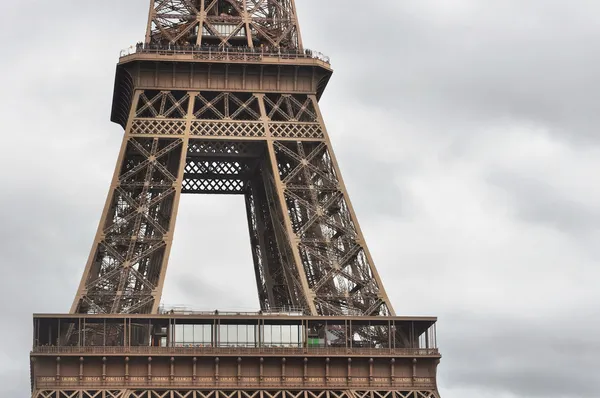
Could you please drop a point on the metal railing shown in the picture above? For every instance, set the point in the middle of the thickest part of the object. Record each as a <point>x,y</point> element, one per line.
<point>222,53</point>
<point>145,350</point>
<point>228,381</point>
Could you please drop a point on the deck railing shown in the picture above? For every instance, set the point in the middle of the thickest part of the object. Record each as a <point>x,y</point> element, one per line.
<point>219,53</point>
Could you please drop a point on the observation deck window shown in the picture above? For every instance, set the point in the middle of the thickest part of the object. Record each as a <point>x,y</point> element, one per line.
<point>268,332</point>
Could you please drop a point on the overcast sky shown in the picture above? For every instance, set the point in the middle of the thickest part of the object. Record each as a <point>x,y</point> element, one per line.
<point>467,134</point>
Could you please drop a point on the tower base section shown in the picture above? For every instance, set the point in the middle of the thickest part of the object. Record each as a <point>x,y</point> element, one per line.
<point>233,356</point>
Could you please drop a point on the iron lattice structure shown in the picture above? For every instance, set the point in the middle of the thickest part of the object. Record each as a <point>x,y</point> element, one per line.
<point>272,148</point>
<point>222,98</point>
<point>251,23</point>
<point>267,142</point>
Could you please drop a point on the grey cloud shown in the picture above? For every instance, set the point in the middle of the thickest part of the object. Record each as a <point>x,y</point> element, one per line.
<point>537,201</point>
<point>526,356</point>
<point>528,62</point>
<point>380,193</point>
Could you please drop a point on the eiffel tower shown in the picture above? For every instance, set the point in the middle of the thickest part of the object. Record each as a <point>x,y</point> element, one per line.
<point>222,98</point>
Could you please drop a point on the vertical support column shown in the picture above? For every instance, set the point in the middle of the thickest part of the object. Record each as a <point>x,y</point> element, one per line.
<point>172,369</point>
<point>217,369</point>
<point>305,369</point>
<point>201,17</point>
<point>80,368</point>
<point>57,368</point>
<point>149,25</point>
<point>178,186</point>
<point>349,370</point>
<point>246,18</point>
<point>296,24</point>
<point>194,369</point>
<point>283,361</point>
<point>414,368</point>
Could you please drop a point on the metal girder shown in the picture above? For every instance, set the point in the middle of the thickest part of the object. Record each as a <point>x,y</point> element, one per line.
<point>251,23</point>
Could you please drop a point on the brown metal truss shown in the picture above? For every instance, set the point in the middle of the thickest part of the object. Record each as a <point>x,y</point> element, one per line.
<point>307,248</point>
<point>252,23</point>
<point>159,393</point>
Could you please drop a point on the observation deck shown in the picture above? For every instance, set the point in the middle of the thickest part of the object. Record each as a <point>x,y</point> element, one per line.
<point>264,55</point>
<point>233,350</point>
<point>214,68</point>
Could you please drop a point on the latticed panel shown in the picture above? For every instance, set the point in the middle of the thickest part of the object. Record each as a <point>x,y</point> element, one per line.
<point>157,127</point>
<point>226,148</point>
<point>216,393</point>
<point>290,108</point>
<point>214,168</point>
<point>228,129</point>
<point>162,104</point>
<point>219,166</point>
<point>215,186</point>
<point>80,394</point>
<point>296,130</point>
<point>215,105</point>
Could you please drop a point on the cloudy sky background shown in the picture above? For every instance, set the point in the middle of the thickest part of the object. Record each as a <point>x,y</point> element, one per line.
<point>467,134</point>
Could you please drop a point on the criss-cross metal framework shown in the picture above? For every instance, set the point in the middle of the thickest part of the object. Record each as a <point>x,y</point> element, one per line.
<point>270,147</point>
<point>266,143</point>
<point>252,23</point>
<point>233,394</point>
